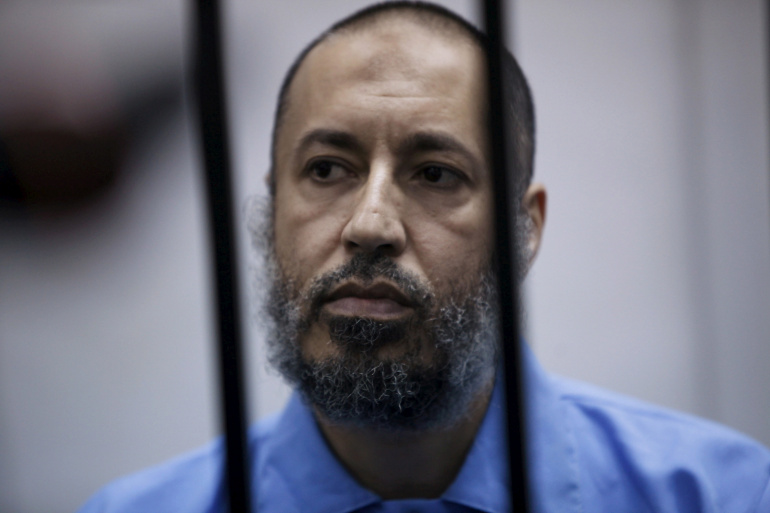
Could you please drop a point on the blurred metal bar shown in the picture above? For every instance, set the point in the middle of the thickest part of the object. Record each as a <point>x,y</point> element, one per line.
<point>216,153</point>
<point>494,23</point>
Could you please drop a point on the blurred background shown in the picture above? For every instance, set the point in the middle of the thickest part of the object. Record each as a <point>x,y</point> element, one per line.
<point>653,279</point>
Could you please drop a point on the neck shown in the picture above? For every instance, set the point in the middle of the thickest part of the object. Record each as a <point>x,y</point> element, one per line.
<point>406,465</point>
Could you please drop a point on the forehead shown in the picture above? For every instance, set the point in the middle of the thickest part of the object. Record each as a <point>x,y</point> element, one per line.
<point>417,71</point>
<point>393,48</point>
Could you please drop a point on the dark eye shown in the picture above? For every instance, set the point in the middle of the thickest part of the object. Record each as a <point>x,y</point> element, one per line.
<point>326,171</point>
<point>439,175</point>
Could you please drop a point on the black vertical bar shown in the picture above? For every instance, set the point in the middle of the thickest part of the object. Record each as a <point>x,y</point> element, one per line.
<point>494,21</point>
<point>216,154</point>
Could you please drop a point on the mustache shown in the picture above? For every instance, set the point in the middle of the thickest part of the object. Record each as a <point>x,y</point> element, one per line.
<point>365,268</point>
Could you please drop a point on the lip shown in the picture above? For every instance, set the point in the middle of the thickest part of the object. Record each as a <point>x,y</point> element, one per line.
<point>381,300</point>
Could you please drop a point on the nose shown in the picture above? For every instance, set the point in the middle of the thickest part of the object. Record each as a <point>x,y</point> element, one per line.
<point>376,222</point>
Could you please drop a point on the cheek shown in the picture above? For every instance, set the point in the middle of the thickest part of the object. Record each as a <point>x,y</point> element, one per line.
<point>454,261</point>
<point>305,238</point>
<point>454,246</point>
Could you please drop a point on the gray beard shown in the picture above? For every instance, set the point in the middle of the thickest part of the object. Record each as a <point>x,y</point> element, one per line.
<point>356,387</point>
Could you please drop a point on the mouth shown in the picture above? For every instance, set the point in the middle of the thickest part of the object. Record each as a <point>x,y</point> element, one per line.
<point>381,301</point>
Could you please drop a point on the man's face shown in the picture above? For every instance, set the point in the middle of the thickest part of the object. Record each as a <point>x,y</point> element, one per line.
<point>382,205</point>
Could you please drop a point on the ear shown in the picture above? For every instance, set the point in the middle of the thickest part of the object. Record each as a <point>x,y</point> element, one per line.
<point>534,205</point>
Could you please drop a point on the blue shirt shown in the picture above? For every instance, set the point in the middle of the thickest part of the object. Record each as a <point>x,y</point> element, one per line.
<point>590,451</point>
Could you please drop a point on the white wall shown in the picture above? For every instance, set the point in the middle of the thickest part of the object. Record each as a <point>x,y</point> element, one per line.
<point>654,277</point>
<point>655,273</point>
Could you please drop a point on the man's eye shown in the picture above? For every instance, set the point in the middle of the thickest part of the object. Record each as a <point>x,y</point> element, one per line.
<point>326,171</point>
<point>439,175</point>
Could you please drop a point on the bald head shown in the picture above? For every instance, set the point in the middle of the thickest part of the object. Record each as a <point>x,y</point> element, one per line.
<point>435,21</point>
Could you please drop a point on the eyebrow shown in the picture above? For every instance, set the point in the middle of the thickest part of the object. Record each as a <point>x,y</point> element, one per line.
<point>437,141</point>
<point>425,141</point>
<point>329,137</point>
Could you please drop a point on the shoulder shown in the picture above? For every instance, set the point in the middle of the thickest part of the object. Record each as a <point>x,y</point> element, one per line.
<point>191,482</point>
<point>664,459</point>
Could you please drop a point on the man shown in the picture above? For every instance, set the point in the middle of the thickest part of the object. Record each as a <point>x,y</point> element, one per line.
<point>379,248</point>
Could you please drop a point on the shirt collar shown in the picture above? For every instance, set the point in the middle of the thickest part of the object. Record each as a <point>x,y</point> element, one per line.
<point>296,471</point>
<point>552,456</point>
<point>483,480</point>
